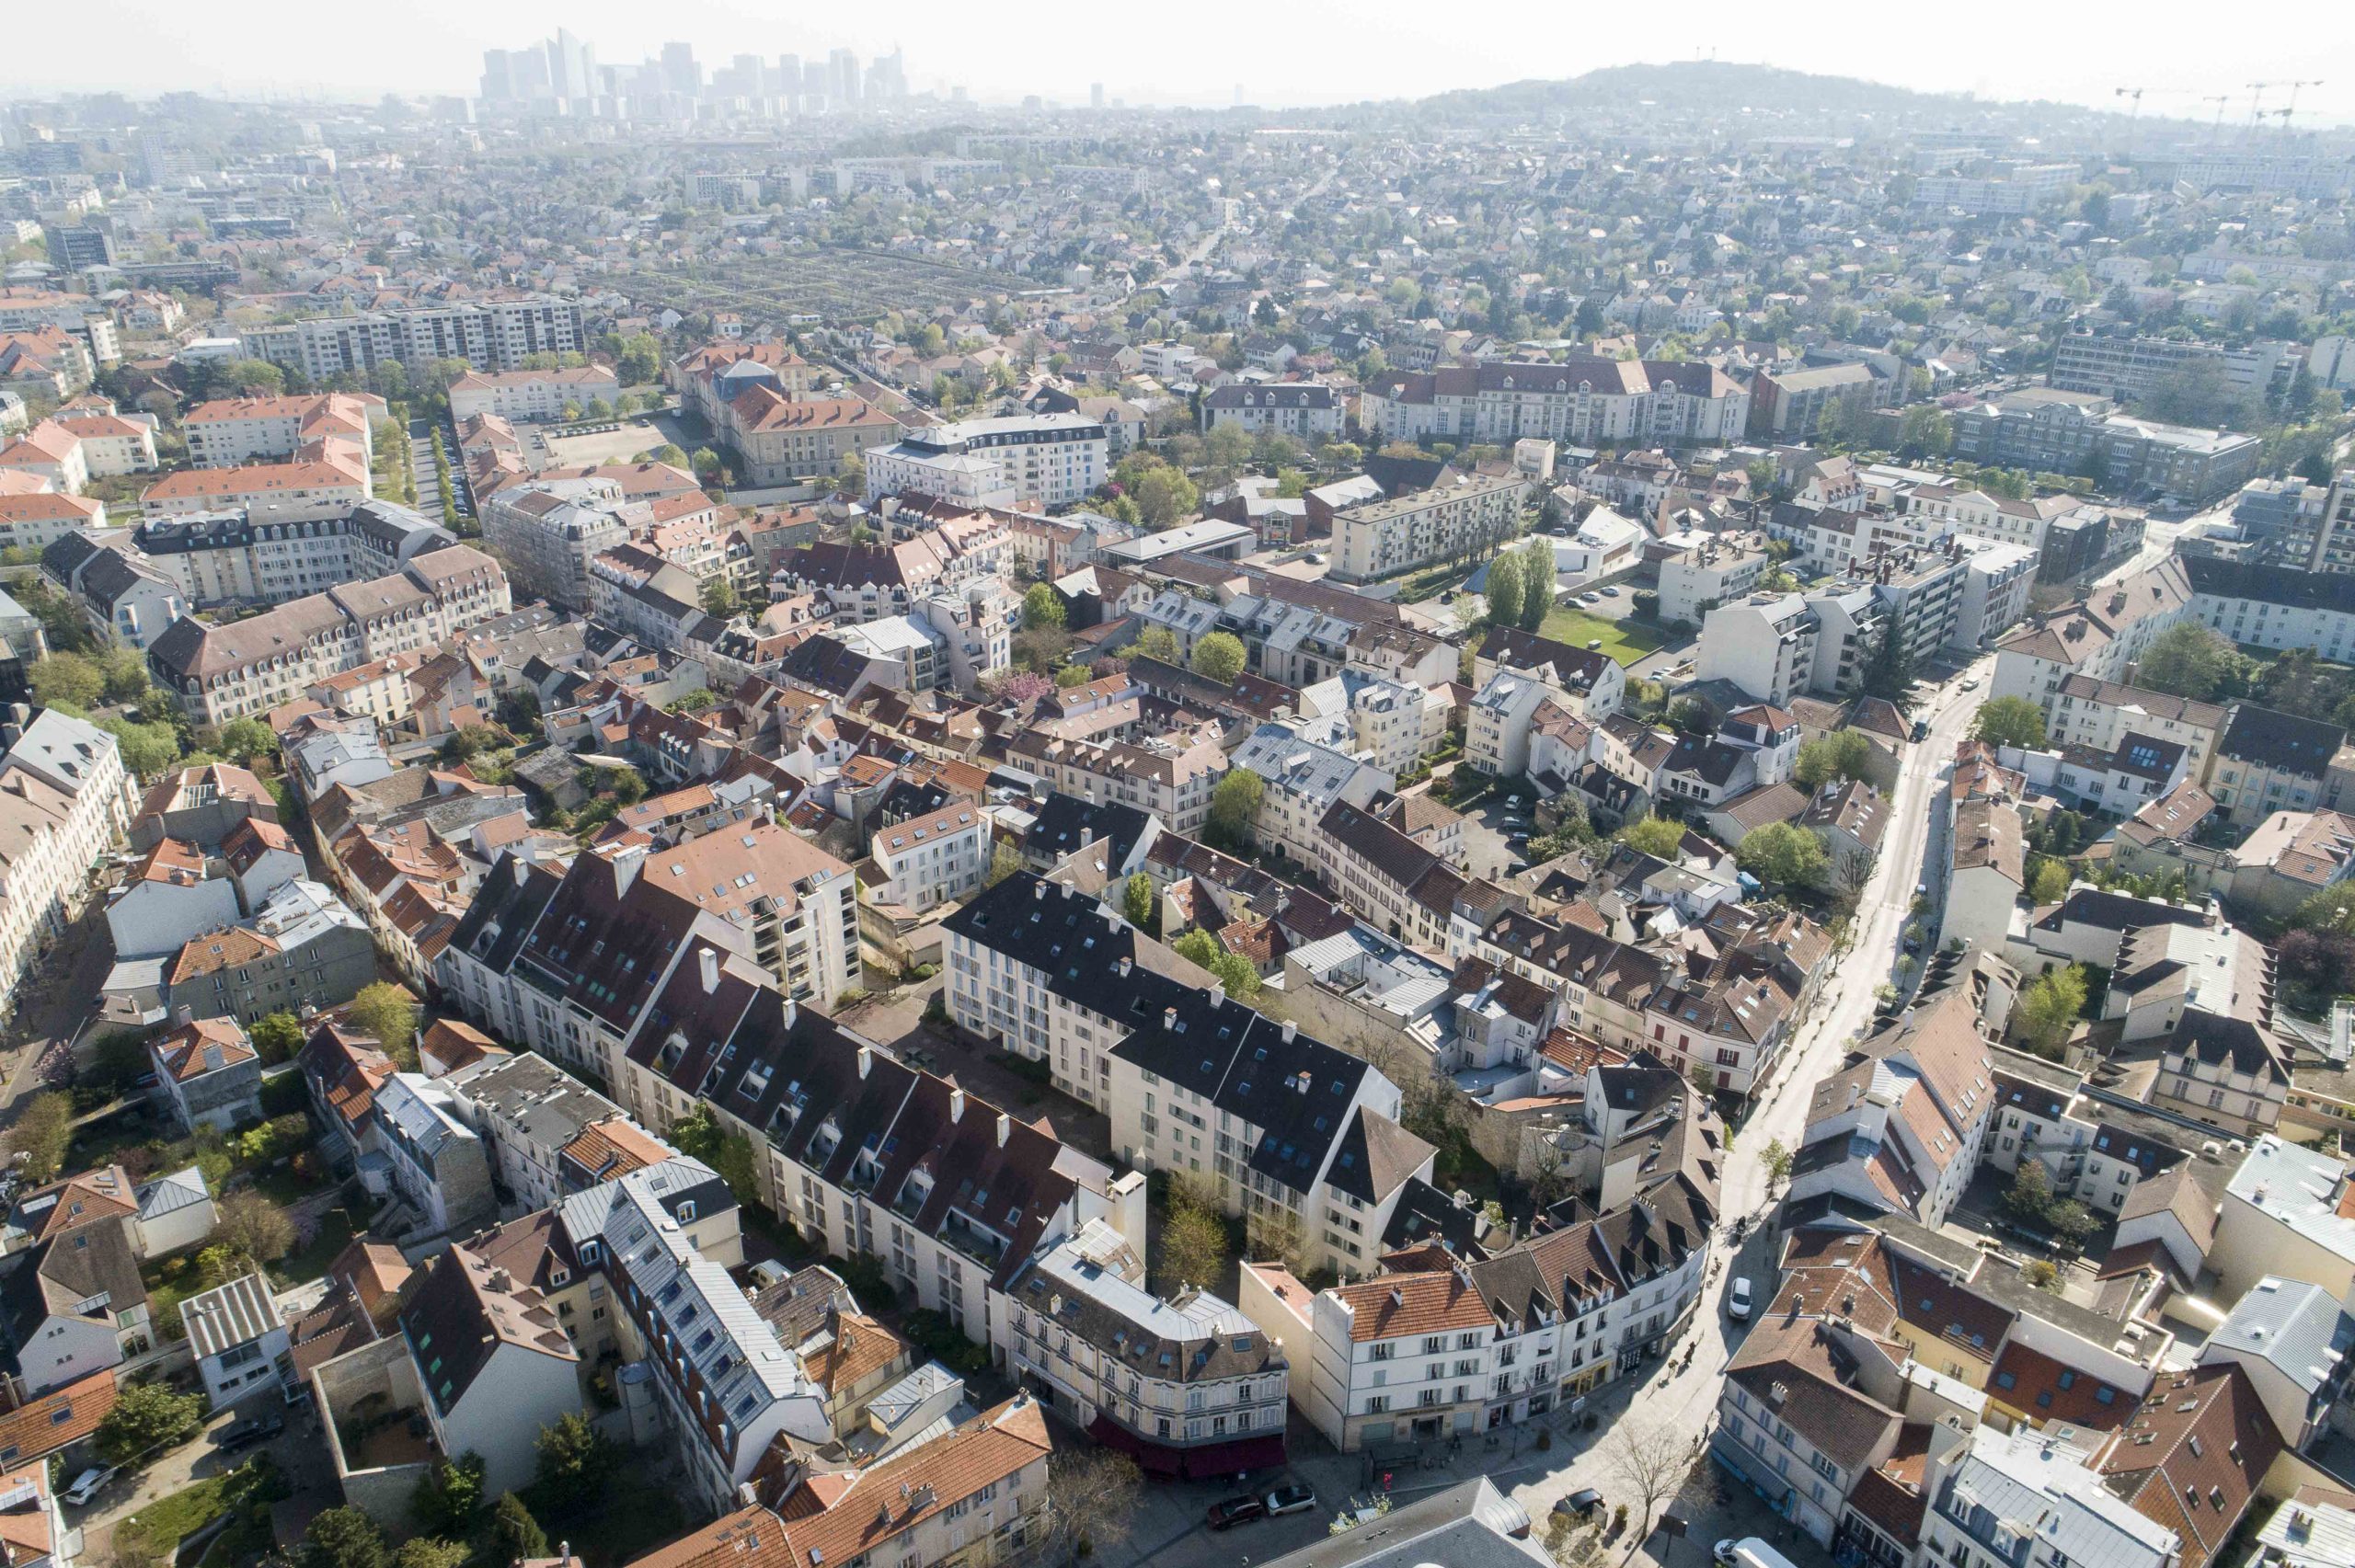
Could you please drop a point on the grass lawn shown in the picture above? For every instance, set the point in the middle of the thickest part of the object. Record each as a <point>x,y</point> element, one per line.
<point>169,1520</point>
<point>309,1262</point>
<point>1626,641</point>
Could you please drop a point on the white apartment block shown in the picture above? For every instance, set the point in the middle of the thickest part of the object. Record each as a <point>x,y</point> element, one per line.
<point>533,396</point>
<point>233,432</point>
<point>489,335</point>
<point>1581,402</point>
<point>931,860</point>
<point>64,803</point>
<point>1385,538</point>
<point>1713,572</point>
<point>1302,779</point>
<point>1048,460</point>
<point>300,491</point>
<point>553,529</point>
<point>1173,777</point>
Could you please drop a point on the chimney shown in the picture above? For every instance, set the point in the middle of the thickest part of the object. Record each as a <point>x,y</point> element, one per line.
<point>710,962</point>
<point>1291,1031</point>
<point>956,1105</point>
<point>865,1061</point>
<point>1004,1128</point>
<point>1125,964</point>
<point>183,1015</point>
<point>792,1012</point>
<point>1169,1018</point>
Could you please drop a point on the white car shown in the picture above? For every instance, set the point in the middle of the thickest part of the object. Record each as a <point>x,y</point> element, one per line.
<point>1738,1300</point>
<point>1970,684</point>
<point>85,1486</point>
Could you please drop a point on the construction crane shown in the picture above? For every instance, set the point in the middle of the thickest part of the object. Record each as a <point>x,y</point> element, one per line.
<point>2293,108</point>
<point>2134,93</point>
<point>2216,131</point>
<point>2256,93</point>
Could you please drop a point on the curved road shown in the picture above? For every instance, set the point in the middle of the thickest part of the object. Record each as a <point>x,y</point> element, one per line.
<point>1688,1403</point>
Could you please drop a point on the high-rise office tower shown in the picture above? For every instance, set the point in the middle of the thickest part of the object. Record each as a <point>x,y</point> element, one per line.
<point>1095,95</point>
<point>681,75</point>
<point>571,66</point>
<point>843,66</point>
<point>785,85</point>
<point>498,77</point>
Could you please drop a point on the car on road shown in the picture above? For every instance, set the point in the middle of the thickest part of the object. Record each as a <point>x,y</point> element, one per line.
<point>1293,1499</point>
<point>1921,729</point>
<point>1737,1300</point>
<point>1970,684</point>
<point>85,1486</point>
<point>1235,1511</point>
<point>1579,1504</point>
<point>245,1434</point>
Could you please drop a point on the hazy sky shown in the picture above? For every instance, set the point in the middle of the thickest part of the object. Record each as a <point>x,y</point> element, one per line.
<point>1277,51</point>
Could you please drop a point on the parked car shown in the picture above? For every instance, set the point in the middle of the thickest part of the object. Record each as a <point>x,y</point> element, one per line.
<point>1738,1300</point>
<point>1293,1499</point>
<point>1235,1511</point>
<point>1595,645</point>
<point>245,1434</point>
<point>1579,1504</point>
<point>1610,593</point>
<point>85,1486</point>
<point>1589,599</point>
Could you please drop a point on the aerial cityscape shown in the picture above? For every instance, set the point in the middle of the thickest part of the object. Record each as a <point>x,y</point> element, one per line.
<point>828,805</point>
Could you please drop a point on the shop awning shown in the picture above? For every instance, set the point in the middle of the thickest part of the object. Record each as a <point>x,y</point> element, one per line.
<point>1204,1463</point>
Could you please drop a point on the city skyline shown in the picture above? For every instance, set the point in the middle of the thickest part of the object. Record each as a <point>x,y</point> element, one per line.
<point>1303,56</point>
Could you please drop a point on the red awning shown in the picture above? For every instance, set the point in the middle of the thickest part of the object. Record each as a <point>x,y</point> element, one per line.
<point>1233,1458</point>
<point>1205,1463</point>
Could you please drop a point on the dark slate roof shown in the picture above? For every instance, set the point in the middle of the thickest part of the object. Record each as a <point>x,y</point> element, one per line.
<point>1066,823</point>
<point>504,909</point>
<point>1297,1090</point>
<point>2273,585</point>
<point>2117,912</point>
<point>2283,742</point>
<point>1404,475</point>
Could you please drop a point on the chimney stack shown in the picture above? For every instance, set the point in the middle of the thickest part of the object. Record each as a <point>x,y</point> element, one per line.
<point>1004,1128</point>
<point>1169,1018</point>
<point>710,962</point>
<point>956,1106</point>
<point>183,1015</point>
<point>792,1012</point>
<point>1291,1031</point>
<point>865,1061</point>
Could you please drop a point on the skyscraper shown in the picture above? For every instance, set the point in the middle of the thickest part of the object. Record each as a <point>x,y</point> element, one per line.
<point>843,66</point>
<point>571,66</point>
<point>498,77</point>
<point>681,75</point>
<point>785,85</point>
<point>1095,95</point>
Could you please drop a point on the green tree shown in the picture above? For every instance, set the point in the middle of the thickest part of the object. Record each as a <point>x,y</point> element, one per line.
<point>125,671</point>
<point>68,680</point>
<point>1219,658</point>
<point>1158,643</point>
<point>243,739</point>
<point>575,1463</point>
<point>1783,854</point>
<point>278,1037</point>
<point>514,1535</point>
<point>1536,585</point>
<point>451,1495</point>
<point>1193,1248</point>
<point>1234,807</point>
<point>255,1227</point>
<point>1656,836</point>
<point>2010,721</point>
<point>670,452</point>
<point>1924,430</point>
<point>1004,862</point>
<point>147,749</point>
<point>1165,497</point>
<point>42,1132</point>
<point>1843,754</point>
<point>148,1417</point>
<point>1776,1159</point>
<point>387,1013</point>
<point>1504,591</point>
<point>2049,1007</point>
<point>343,1538</point>
<point>1042,606</point>
<point>2049,884</point>
<point>1139,905</point>
<point>719,598</point>
<point>2190,660</point>
<point>1891,669</point>
<point>699,1135</point>
<point>426,1551</point>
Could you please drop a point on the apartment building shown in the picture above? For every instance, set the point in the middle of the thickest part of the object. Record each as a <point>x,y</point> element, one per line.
<point>246,558</point>
<point>2056,430</point>
<point>488,333</point>
<point>1872,1141</point>
<point>1037,460</point>
<point>709,379</point>
<point>2099,715</point>
<point>1186,1383</point>
<point>534,396</point>
<point>1581,401</point>
<point>438,1164</point>
<point>218,673</point>
<point>1384,538</point>
<point>1697,578</point>
<point>236,431</point>
<point>1307,411</point>
<point>2103,635</point>
<point>64,803</point>
<point>1040,968</point>
<point>2267,761</point>
<point>39,519</point>
<point>1301,778</point>
<point>2274,607</point>
<point>1793,406</point>
<point>930,859</point>
<point>2129,369</point>
<point>1171,776</point>
<point>780,439</point>
<point>300,491</point>
<point>123,600</point>
<point>553,529</point>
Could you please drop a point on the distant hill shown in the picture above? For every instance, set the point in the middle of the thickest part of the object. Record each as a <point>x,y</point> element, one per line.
<point>1694,86</point>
